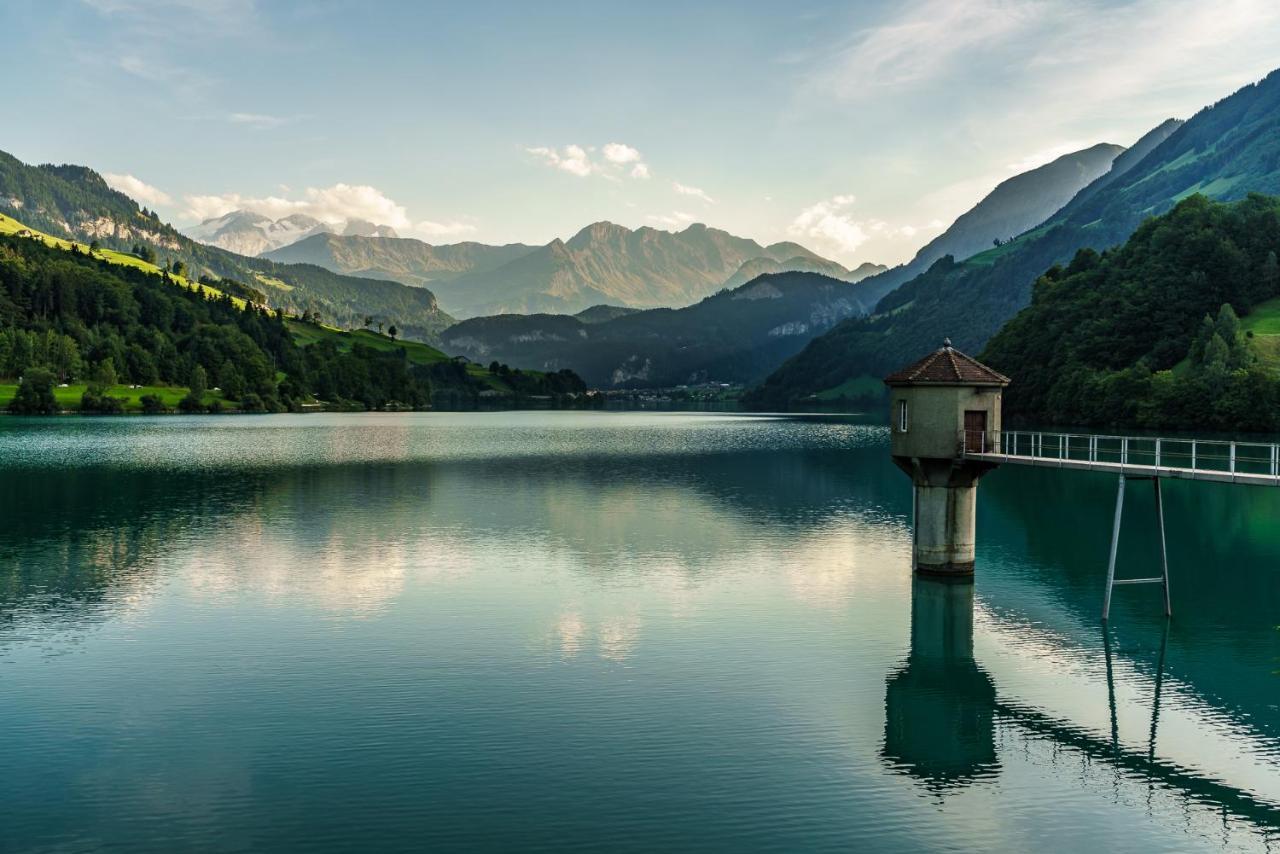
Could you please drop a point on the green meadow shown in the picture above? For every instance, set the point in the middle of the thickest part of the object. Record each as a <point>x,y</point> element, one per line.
<point>68,396</point>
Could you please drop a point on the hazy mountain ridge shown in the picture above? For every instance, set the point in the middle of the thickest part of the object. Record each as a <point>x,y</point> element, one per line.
<point>402,259</point>
<point>736,335</point>
<point>760,266</point>
<point>74,202</point>
<point>1014,206</point>
<point>246,232</point>
<point>1225,151</point>
<point>601,263</point>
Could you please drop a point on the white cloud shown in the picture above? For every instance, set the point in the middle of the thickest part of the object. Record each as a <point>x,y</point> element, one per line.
<point>922,42</point>
<point>829,225</point>
<point>830,228</point>
<point>675,219</point>
<point>617,152</point>
<point>136,189</point>
<point>577,160</point>
<point>686,190</point>
<point>1048,155</point>
<point>572,159</point>
<point>452,228</point>
<point>257,120</point>
<point>335,204</point>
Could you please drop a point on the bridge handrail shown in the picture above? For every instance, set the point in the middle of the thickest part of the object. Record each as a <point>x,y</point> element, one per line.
<point>1150,452</point>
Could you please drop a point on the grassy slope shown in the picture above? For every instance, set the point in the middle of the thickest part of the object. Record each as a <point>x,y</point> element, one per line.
<point>303,333</point>
<point>68,397</point>
<point>9,225</point>
<point>419,353</point>
<point>1264,323</point>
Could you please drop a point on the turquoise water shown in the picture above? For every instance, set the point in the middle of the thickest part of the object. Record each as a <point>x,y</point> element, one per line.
<point>557,631</point>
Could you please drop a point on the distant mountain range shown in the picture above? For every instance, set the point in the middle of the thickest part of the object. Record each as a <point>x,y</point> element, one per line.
<point>249,233</point>
<point>75,203</point>
<point>736,335</point>
<point>602,263</point>
<point>1015,205</point>
<point>1225,151</point>
<point>402,259</point>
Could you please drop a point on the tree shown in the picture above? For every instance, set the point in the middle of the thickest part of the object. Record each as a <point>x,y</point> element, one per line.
<point>199,384</point>
<point>152,404</point>
<point>179,268</point>
<point>104,374</point>
<point>368,321</point>
<point>94,246</point>
<point>252,403</point>
<point>231,381</point>
<point>35,394</point>
<point>392,331</point>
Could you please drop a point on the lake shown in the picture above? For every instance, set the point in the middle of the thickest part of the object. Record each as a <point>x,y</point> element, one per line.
<point>635,631</point>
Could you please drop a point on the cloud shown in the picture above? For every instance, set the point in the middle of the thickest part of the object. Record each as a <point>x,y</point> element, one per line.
<point>1047,155</point>
<point>338,203</point>
<point>257,120</point>
<point>617,152</point>
<point>675,219</point>
<point>185,82</point>
<point>453,228</point>
<point>577,160</point>
<point>829,225</point>
<point>923,41</point>
<point>572,159</point>
<point>136,189</point>
<point>686,190</point>
<point>830,228</point>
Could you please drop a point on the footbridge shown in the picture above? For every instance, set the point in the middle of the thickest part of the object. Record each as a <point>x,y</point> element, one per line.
<point>1254,463</point>
<point>945,431</point>
<point>1130,458</point>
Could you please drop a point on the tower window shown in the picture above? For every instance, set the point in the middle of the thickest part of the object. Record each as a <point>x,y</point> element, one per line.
<point>902,416</point>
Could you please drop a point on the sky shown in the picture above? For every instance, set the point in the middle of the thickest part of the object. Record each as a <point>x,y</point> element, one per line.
<point>860,129</point>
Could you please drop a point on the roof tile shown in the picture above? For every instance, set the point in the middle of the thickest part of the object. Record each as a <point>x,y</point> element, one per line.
<point>946,366</point>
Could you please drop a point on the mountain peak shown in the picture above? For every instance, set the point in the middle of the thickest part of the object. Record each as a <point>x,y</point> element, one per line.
<point>364,228</point>
<point>597,232</point>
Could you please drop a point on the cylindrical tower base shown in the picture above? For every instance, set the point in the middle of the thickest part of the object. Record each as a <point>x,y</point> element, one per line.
<point>945,529</point>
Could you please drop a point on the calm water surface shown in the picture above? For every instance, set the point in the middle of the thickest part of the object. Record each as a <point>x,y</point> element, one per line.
<point>636,631</point>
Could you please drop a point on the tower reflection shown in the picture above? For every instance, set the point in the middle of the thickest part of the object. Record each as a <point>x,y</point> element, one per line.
<point>940,707</point>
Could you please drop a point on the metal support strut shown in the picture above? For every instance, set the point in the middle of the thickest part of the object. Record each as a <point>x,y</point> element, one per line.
<point>1163,578</point>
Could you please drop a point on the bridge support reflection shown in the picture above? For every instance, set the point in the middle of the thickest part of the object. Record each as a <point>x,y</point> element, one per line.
<point>942,715</point>
<point>940,708</point>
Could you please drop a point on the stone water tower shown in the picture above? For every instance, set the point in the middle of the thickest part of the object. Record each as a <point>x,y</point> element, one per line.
<point>944,408</point>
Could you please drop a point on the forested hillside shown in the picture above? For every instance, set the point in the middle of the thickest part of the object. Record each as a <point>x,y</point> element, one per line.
<point>1147,334</point>
<point>75,203</point>
<point>67,316</point>
<point>1224,152</point>
<point>734,336</point>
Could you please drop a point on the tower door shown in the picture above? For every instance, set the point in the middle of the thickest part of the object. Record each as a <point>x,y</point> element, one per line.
<point>975,431</point>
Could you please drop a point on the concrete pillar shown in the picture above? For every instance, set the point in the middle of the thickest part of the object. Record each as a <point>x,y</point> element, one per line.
<point>945,530</point>
<point>946,513</point>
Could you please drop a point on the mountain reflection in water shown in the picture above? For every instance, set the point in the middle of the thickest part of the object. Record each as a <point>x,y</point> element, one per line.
<point>580,629</point>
